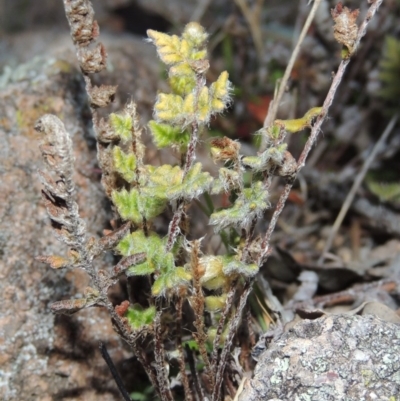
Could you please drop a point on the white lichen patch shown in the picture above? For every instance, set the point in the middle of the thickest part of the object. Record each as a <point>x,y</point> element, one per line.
<point>352,358</point>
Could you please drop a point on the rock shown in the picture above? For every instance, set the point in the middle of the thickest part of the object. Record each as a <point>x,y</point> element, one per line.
<point>43,357</point>
<point>334,358</point>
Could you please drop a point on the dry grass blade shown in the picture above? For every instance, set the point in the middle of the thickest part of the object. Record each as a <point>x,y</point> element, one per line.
<point>356,185</point>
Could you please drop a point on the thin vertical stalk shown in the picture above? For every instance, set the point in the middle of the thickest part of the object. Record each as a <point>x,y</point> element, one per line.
<point>182,365</point>
<point>227,308</point>
<point>159,355</point>
<point>197,301</point>
<point>173,228</point>
<point>234,324</point>
<point>277,99</point>
<point>195,375</point>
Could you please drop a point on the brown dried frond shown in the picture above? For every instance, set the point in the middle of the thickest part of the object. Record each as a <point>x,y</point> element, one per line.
<point>122,308</point>
<point>60,202</point>
<point>110,240</point>
<point>55,261</point>
<point>94,60</point>
<point>288,167</point>
<point>224,149</point>
<point>68,306</point>
<point>57,144</point>
<point>80,14</point>
<point>345,29</point>
<point>105,134</point>
<point>102,96</point>
<point>127,262</point>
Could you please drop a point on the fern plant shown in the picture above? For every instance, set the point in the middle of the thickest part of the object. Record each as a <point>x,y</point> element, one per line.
<point>180,276</point>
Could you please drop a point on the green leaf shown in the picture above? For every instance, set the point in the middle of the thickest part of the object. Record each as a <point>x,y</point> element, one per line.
<point>214,277</point>
<point>215,303</point>
<point>256,163</point>
<point>389,71</point>
<point>251,203</point>
<point>135,205</point>
<point>192,345</point>
<point>168,47</point>
<point>166,181</point>
<point>138,242</point>
<point>157,259</point>
<point>270,158</point>
<point>195,34</point>
<point>125,164</point>
<point>169,280</point>
<point>138,317</point>
<point>143,269</point>
<point>122,125</point>
<point>169,109</point>
<point>166,135</point>
<point>162,179</point>
<point>220,92</point>
<point>195,183</point>
<point>237,267</point>
<point>127,205</point>
<point>182,84</point>
<point>298,124</point>
<point>385,191</point>
<point>174,50</point>
<point>203,109</point>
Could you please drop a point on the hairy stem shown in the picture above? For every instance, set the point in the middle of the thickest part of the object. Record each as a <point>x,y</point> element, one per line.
<point>173,228</point>
<point>195,374</point>
<point>225,313</point>
<point>233,326</point>
<point>179,346</point>
<point>159,354</point>
<point>198,308</point>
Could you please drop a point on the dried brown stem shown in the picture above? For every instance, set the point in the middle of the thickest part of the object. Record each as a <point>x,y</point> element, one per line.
<point>197,301</point>
<point>195,375</point>
<point>159,356</point>
<point>233,326</point>
<point>253,19</point>
<point>356,185</point>
<point>179,346</point>
<point>351,295</point>
<point>225,313</point>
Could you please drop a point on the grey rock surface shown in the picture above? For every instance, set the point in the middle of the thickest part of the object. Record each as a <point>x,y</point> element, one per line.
<point>43,357</point>
<point>333,358</point>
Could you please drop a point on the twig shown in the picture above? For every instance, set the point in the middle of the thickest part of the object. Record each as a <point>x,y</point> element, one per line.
<point>227,308</point>
<point>253,17</point>
<point>200,10</point>
<point>391,286</point>
<point>193,370</point>
<point>197,301</point>
<point>234,324</point>
<point>173,228</point>
<point>182,367</point>
<point>350,196</point>
<point>282,86</point>
<point>131,340</point>
<point>114,372</point>
<point>315,132</point>
<point>159,355</point>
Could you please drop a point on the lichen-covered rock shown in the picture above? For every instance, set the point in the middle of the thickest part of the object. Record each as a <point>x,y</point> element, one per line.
<point>334,358</point>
